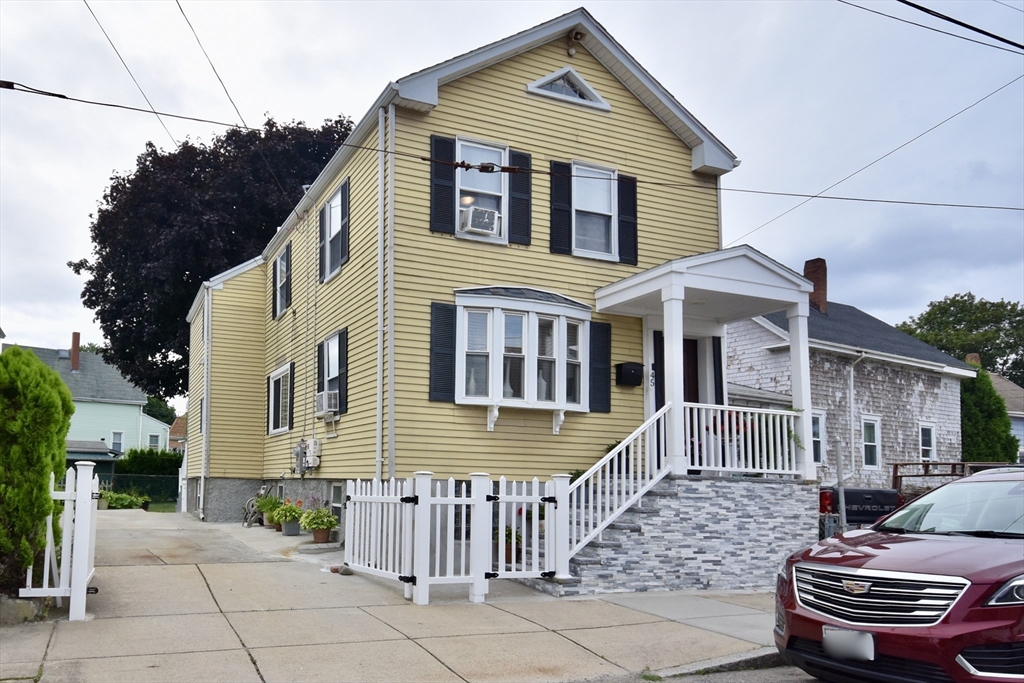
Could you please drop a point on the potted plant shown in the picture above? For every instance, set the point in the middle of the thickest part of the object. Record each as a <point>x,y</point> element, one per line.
<point>288,514</point>
<point>266,505</point>
<point>275,523</point>
<point>320,521</point>
<point>102,503</point>
<point>509,535</point>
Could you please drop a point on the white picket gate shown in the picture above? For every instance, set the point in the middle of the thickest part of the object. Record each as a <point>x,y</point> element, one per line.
<point>71,573</point>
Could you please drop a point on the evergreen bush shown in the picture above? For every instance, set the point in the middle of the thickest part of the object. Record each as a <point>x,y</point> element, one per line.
<point>35,414</point>
<point>984,425</point>
<point>149,461</point>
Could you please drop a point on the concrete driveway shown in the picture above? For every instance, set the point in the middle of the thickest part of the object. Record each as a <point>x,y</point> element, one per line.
<point>180,600</point>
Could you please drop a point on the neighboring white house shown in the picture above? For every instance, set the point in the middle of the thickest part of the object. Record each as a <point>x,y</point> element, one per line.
<point>906,393</point>
<point>1013,397</point>
<point>108,407</point>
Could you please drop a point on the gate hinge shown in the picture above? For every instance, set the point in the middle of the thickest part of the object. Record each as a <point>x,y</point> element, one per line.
<point>345,504</point>
<point>95,495</point>
<point>492,499</point>
<point>415,500</point>
<point>490,575</point>
<point>549,499</point>
<point>92,590</point>
<point>547,575</point>
<point>408,579</point>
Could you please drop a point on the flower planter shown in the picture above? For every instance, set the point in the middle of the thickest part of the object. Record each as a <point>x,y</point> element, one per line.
<point>321,535</point>
<point>277,527</point>
<point>267,524</point>
<point>290,528</point>
<point>102,504</point>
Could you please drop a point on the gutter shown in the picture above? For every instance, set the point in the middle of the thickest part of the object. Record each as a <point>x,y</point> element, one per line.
<point>391,291</point>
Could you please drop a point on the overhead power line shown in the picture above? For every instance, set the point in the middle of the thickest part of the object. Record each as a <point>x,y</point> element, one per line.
<point>889,153</point>
<point>491,168</point>
<point>1008,5</point>
<point>151,108</point>
<point>931,28</point>
<point>969,27</point>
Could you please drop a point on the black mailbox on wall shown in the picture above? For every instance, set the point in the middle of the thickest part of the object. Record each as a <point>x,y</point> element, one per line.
<point>629,374</point>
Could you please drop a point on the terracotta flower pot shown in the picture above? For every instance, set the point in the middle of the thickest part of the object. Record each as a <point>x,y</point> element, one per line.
<point>321,535</point>
<point>277,527</point>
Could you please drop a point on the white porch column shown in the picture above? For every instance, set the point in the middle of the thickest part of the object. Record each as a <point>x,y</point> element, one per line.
<point>672,302</point>
<point>800,361</point>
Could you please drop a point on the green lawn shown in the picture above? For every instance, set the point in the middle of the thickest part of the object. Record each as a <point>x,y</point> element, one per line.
<point>163,507</point>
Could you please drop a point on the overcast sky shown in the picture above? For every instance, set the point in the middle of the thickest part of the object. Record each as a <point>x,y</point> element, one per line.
<point>804,93</point>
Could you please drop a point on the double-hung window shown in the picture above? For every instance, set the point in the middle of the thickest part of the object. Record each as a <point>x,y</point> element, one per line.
<point>334,222</point>
<point>927,432</point>
<point>594,210</point>
<point>871,440</point>
<point>279,399</point>
<point>818,436</point>
<point>154,441</point>
<point>482,192</point>
<point>521,353</point>
<point>332,373</point>
<point>117,441</point>
<point>282,281</point>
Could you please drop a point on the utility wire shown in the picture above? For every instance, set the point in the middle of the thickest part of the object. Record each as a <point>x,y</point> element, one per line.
<point>151,108</point>
<point>930,28</point>
<point>491,168</point>
<point>1008,5</point>
<point>969,27</point>
<point>916,137</point>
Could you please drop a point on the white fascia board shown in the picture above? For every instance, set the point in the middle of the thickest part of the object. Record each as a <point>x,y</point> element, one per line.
<point>197,303</point>
<point>115,401</point>
<point>845,350</point>
<point>217,282</point>
<point>331,170</point>
<point>772,327</point>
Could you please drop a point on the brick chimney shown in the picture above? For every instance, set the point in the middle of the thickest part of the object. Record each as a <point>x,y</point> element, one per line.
<point>816,270</point>
<point>76,340</point>
<point>973,359</point>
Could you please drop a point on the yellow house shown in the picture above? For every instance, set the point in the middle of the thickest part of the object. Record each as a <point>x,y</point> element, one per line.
<point>512,264</point>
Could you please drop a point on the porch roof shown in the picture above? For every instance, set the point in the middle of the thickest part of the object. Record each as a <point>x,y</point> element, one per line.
<point>719,286</point>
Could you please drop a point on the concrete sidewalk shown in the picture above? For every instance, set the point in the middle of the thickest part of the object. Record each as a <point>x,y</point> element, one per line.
<point>180,600</point>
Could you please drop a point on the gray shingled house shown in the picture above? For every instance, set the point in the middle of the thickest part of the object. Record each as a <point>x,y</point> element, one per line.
<point>906,394</point>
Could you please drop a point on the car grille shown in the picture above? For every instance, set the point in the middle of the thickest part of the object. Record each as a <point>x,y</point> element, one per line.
<point>876,598</point>
<point>883,668</point>
<point>1005,659</point>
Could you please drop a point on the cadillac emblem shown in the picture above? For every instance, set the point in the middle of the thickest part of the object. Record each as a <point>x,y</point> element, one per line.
<point>856,587</point>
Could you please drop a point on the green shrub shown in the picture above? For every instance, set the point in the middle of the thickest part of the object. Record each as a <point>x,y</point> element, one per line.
<point>984,424</point>
<point>149,461</point>
<point>268,504</point>
<point>35,413</point>
<point>123,501</point>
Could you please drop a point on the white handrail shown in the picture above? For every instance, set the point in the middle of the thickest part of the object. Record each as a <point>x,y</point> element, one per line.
<point>617,481</point>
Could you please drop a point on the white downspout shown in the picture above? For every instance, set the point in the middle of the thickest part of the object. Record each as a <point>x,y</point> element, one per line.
<point>204,422</point>
<point>840,479</point>
<point>381,236</point>
<point>391,291</point>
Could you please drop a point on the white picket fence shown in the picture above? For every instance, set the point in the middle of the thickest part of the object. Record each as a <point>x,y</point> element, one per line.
<point>69,575</point>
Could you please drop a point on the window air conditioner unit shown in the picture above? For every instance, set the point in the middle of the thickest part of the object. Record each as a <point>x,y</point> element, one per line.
<point>480,221</point>
<point>326,403</point>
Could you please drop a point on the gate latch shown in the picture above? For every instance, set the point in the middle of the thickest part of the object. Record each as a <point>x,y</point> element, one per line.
<point>415,500</point>
<point>490,575</point>
<point>408,579</point>
<point>549,499</point>
<point>492,499</point>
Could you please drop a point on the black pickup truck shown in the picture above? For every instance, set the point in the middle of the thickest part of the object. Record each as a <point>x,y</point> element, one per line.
<point>863,506</point>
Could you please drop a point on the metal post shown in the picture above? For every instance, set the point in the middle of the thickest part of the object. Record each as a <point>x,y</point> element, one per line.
<point>480,536</point>
<point>80,543</point>
<point>421,539</point>
<point>561,526</point>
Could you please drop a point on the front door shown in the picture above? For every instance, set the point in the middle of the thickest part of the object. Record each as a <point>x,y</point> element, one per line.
<point>691,390</point>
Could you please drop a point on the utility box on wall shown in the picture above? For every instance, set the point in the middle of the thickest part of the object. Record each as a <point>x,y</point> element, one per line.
<point>629,374</point>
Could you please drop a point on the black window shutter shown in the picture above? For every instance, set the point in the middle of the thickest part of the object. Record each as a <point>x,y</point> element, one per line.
<point>291,394</point>
<point>288,275</point>
<point>273,291</point>
<point>343,371</point>
<point>269,407</point>
<point>319,367</point>
<point>344,222</point>
<point>627,220</point>
<point>520,203</point>
<point>561,208</point>
<point>716,348</point>
<point>442,185</point>
<point>600,367</point>
<point>442,352</point>
<point>323,241</point>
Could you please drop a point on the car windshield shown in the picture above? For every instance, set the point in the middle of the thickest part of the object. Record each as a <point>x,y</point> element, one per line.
<point>981,508</point>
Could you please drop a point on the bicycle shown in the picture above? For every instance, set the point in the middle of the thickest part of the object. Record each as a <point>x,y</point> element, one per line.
<point>251,513</point>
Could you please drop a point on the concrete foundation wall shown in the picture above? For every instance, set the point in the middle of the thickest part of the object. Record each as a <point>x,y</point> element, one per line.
<point>225,498</point>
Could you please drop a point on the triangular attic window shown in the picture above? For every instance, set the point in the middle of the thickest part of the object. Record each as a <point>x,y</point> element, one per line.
<point>568,86</point>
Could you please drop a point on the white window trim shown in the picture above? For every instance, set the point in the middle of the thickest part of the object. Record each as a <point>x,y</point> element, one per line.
<point>877,421</point>
<point>278,265</point>
<point>496,307</point>
<point>503,237</point>
<point>920,444</point>
<point>580,168</point>
<point>595,101</point>
<point>277,374</point>
<point>822,436</point>
<point>337,509</point>
<point>328,274</point>
<point>149,441</point>
<point>113,441</point>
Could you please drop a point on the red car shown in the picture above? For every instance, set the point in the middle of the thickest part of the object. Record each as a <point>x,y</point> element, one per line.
<point>932,593</point>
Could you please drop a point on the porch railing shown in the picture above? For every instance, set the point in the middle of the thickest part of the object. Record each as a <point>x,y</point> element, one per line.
<point>731,439</point>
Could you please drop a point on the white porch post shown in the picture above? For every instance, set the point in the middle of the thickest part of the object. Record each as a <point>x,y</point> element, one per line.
<point>800,360</point>
<point>672,303</point>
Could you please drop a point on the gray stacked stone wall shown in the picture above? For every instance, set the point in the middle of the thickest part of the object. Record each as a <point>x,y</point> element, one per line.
<point>720,533</point>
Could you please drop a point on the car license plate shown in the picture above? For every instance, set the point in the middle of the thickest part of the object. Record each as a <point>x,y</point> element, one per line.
<point>844,643</point>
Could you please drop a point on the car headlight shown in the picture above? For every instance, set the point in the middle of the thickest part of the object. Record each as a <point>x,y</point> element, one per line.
<point>1011,593</point>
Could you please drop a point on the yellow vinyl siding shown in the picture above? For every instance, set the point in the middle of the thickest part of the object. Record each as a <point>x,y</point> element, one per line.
<point>347,300</point>
<point>196,383</point>
<point>493,105</point>
<point>236,384</point>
